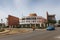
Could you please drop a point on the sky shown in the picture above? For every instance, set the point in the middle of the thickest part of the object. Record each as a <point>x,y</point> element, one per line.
<point>20,8</point>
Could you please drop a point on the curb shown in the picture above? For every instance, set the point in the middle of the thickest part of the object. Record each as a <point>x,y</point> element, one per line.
<point>4,32</point>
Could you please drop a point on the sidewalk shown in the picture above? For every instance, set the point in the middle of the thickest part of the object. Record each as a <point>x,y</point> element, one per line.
<point>4,31</point>
<point>19,30</point>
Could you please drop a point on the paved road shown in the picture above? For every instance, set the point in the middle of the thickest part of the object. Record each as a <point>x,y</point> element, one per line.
<point>36,35</point>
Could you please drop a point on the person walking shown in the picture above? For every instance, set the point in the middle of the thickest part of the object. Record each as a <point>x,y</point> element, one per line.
<point>33,28</point>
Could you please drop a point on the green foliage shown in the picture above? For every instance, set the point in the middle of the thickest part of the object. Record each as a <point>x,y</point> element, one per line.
<point>1,30</point>
<point>59,21</point>
<point>52,21</point>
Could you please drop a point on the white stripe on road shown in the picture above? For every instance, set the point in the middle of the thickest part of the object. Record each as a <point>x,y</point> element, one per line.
<point>58,37</point>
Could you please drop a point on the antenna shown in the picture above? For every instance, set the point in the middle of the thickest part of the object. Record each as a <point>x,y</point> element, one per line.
<point>22,14</point>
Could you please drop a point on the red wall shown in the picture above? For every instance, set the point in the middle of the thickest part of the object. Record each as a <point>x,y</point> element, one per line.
<point>13,21</point>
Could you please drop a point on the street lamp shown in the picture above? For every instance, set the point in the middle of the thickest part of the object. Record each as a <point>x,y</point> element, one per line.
<point>2,22</point>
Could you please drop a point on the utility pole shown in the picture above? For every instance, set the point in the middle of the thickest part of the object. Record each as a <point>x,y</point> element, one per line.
<point>22,20</point>
<point>2,23</point>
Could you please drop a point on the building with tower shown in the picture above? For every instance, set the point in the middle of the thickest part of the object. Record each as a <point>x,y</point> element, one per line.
<point>32,20</point>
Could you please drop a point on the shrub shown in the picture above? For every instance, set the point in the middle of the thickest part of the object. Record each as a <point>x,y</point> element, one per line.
<point>1,30</point>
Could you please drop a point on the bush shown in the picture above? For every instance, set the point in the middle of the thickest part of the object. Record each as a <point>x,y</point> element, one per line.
<point>1,30</point>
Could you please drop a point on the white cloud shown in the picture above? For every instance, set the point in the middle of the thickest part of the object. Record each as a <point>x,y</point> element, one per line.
<point>16,3</point>
<point>21,6</point>
<point>3,15</point>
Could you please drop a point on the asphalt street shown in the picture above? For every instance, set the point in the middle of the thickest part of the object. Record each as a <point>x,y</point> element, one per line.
<point>35,35</point>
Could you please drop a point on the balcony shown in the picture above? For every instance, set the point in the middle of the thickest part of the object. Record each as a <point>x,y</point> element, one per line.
<point>29,21</point>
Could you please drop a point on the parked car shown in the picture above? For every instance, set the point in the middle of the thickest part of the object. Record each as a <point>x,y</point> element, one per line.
<point>58,25</point>
<point>50,28</point>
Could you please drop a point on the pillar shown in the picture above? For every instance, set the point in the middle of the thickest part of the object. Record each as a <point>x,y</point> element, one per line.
<point>40,24</point>
<point>35,25</point>
<point>44,24</point>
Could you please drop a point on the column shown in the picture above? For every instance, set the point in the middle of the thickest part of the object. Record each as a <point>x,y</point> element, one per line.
<point>40,24</point>
<point>35,25</point>
<point>44,24</point>
<point>12,26</point>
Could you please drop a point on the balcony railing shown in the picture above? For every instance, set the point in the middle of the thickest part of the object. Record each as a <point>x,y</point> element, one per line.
<point>29,21</point>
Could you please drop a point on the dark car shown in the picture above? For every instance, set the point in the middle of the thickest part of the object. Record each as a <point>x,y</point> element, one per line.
<point>50,28</point>
<point>58,25</point>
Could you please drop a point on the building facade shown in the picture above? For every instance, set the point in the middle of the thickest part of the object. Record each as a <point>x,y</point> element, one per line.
<point>32,20</point>
<point>12,21</point>
<point>50,17</point>
<point>51,20</point>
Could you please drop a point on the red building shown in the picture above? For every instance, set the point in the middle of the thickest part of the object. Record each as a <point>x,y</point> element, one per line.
<point>13,21</point>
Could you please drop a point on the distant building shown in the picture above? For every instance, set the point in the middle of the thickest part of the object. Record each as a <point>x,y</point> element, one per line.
<point>12,21</point>
<point>32,20</point>
<point>2,25</point>
<point>50,17</point>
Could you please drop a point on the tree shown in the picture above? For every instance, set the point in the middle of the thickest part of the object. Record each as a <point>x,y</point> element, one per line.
<point>59,21</point>
<point>51,22</point>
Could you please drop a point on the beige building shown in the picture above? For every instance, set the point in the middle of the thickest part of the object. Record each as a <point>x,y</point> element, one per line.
<point>32,20</point>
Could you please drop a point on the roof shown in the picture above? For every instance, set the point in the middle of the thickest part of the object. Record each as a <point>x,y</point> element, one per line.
<point>32,14</point>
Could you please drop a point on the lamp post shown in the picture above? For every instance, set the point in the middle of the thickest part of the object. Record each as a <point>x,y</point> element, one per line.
<point>1,23</point>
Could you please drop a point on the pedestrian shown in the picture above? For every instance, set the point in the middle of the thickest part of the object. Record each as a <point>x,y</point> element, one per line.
<point>33,28</point>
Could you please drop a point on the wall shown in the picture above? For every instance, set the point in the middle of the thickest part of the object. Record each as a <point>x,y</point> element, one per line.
<point>12,21</point>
